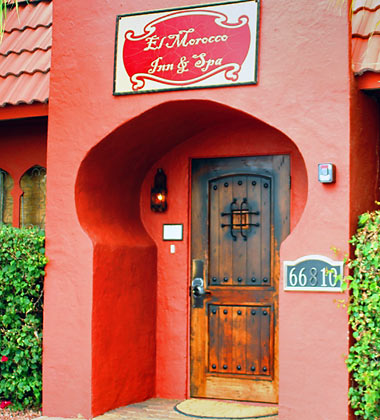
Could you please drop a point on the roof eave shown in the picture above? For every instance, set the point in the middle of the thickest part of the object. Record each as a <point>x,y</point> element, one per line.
<point>11,112</point>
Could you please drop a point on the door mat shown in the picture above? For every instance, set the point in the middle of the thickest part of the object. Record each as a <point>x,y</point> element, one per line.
<point>215,409</point>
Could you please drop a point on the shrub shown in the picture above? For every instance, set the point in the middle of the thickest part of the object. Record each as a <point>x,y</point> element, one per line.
<point>363,361</point>
<point>22,262</point>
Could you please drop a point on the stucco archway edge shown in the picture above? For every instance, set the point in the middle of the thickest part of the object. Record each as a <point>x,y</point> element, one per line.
<point>123,157</point>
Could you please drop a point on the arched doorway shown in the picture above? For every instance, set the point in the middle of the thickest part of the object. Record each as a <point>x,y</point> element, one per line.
<point>141,307</point>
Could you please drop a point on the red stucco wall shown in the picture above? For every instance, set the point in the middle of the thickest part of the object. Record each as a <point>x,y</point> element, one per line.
<point>103,346</point>
<point>22,145</point>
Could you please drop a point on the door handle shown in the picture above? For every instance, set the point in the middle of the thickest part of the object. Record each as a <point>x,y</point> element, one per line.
<point>197,289</point>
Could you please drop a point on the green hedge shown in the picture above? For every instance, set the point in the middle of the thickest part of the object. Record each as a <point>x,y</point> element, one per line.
<point>363,361</point>
<point>22,262</point>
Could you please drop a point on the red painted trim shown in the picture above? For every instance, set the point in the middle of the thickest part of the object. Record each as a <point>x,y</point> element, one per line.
<point>11,112</point>
<point>368,80</point>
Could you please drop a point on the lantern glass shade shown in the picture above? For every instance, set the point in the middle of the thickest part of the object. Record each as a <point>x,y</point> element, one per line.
<point>158,193</point>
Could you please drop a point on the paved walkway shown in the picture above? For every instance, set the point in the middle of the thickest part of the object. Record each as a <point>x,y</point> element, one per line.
<point>153,409</point>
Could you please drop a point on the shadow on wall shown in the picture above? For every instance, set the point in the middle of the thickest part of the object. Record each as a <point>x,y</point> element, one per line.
<point>125,256</point>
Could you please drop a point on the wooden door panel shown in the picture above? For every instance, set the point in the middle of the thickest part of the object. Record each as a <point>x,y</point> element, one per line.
<point>239,340</point>
<point>240,389</point>
<point>266,237</point>
<point>240,215</point>
<point>233,345</point>
<point>225,339</point>
<point>253,362</point>
<point>215,253</point>
<point>239,248</point>
<point>254,246</point>
<point>239,255</point>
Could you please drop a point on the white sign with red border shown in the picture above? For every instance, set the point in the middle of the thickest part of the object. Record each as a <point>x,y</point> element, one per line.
<point>194,47</point>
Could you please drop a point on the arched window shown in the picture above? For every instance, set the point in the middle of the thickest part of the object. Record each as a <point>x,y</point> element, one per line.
<point>33,199</point>
<point>6,200</point>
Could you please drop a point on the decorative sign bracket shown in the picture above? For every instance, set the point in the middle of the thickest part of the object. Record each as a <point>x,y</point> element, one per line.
<point>188,48</point>
<point>313,273</point>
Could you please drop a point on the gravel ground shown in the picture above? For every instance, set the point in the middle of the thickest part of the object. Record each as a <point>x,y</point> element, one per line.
<point>6,414</point>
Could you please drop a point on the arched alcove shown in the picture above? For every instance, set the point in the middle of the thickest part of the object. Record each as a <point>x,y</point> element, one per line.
<point>6,200</point>
<point>33,198</point>
<point>130,348</point>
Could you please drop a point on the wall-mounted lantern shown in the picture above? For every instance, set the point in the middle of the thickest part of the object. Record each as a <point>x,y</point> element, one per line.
<point>158,193</point>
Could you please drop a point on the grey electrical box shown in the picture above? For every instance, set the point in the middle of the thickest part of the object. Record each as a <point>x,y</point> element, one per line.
<point>326,173</point>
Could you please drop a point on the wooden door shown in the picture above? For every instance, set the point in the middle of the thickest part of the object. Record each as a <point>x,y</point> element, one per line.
<point>240,215</point>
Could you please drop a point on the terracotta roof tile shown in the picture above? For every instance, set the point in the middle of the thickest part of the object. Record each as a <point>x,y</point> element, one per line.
<point>366,36</point>
<point>366,55</point>
<point>30,15</point>
<point>27,40</point>
<point>26,62</point>
<point>368,4</point>
<point>25,54</point>
<point>365,22</point>
<point>34,88</point>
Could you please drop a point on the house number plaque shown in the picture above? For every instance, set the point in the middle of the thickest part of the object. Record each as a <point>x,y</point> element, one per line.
<point>313,273</point>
